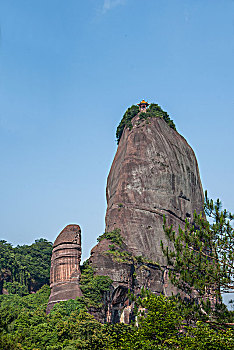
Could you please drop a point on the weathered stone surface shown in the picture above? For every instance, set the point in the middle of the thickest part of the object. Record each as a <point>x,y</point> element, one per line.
<point>65,266</point>
<point>154,173</point>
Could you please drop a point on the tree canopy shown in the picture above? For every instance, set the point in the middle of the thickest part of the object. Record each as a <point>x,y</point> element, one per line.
<point>202,258</point>
<point>25,268</point>
<point>201,265</point>
<point>24,325</point>
<point>154,111</point>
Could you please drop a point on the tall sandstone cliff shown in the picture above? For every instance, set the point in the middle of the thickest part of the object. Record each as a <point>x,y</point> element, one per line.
<point>154,173</point>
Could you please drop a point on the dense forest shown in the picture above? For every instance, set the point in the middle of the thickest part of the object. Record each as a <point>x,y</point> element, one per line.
<point>25,325</point>
<point>25,268</point>
<point>202,260</point>
<point>169,323</point>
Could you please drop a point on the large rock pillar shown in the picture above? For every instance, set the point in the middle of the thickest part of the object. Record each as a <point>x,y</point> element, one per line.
<point>65,266</point>
<point>154,173</point>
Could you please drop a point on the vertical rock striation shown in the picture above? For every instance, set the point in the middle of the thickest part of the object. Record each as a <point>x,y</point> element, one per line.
<point>65,266</point>
<point>154,173</point>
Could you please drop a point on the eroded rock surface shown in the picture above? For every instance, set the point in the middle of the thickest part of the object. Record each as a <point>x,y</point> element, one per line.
<point>154,173</point>
<point>65,266</point>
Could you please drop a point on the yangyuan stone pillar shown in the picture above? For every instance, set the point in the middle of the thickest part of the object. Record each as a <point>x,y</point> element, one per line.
<point>65,266</point>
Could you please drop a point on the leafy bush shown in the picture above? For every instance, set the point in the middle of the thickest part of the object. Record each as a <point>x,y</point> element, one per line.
<point>154,111</point>
<point>114,236</point>
<point>93,286</point>
<point>126,121</point>
<point>144,261</point>
<point>119,253</point>
<point>15,288</point>
<point>120,256</point>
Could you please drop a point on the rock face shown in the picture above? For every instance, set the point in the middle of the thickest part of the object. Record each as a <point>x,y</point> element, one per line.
<point>65,266</point>
<point>154,173</point>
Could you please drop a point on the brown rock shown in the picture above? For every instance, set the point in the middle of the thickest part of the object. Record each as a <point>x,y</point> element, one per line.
<point>65,266</point>
<point>154,173</point>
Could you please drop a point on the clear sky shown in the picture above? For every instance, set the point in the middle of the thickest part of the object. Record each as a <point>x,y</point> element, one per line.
<point>68,71</point>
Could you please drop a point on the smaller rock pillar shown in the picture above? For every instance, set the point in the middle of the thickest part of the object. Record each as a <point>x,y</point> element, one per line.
<point>65,266</point>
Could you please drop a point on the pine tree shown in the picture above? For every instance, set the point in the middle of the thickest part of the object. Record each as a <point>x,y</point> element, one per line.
<point>202,258</point>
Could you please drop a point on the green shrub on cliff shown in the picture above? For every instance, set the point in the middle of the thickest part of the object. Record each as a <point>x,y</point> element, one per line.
<point>120,254</point>
<point>114,236</point>
<point>130,113</point>
<point>154,111</point>
<point>93,286</point>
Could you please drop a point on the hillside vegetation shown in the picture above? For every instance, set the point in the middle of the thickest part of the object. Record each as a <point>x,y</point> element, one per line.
<point>161,323</point>
<point>24,325</point>
<point>167,323</point>
<point>25,268</point>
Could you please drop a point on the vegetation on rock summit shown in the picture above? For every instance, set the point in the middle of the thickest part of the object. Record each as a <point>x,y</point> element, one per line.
<point>154,111</point>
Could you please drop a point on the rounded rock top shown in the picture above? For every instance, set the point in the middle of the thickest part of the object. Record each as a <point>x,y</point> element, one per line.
<point>69,234</point>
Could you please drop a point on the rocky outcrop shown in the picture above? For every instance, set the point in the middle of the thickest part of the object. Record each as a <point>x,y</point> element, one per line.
<point>154,173</point>
<point>65,266</point>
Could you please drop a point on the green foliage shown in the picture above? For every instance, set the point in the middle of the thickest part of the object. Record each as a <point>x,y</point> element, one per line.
<point>15,288</point>
<point>27,266</point>
<point>204,249</point>
<point>161,326</point>
<point>65,308</point>
<point>154,111</point>
<point>25,325</point>
<point>118,334</point>
<point>116,249</point>
<point>121,256</point>
<point>203,337</point>
<point>11,306</point>
<point>114,236</point>
<point>144,261</point>
<point>202,258</point>
<point>161,322</point>
<point>93,286</point>
<point>126,121</point>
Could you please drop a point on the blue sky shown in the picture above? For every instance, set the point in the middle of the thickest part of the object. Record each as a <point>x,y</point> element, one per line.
<point>70,69</point>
